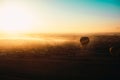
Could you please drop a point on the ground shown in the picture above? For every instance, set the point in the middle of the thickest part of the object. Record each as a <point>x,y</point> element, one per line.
<point>58,60</point>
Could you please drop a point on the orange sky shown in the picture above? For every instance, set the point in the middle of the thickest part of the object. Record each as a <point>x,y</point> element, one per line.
<point>61,16</point>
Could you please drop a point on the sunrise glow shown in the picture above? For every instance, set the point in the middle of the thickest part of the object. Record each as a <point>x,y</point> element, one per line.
<point>16,19</point>
<point>61,16</point>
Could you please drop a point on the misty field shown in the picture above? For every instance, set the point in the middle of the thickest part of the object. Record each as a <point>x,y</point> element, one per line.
<point>58,56</point>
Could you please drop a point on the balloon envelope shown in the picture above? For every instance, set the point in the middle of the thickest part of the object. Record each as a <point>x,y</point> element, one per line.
<point>84,41</point>
<point>114,51</point>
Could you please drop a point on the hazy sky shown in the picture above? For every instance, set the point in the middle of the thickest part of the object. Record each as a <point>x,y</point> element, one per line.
<point>60,16</point>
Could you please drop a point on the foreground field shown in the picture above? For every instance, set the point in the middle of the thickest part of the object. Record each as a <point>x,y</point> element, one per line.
<point>58,57</point>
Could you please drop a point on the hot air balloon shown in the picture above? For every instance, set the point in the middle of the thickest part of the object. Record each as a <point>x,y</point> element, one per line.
<point>84,41</point>
<point>114,51</point>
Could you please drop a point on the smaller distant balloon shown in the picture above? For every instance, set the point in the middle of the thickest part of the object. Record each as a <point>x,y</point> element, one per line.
<point>114,51</point>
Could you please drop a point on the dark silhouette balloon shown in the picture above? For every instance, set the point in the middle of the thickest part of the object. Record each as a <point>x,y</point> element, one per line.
<point>84,41</point>
<point>114,51</point>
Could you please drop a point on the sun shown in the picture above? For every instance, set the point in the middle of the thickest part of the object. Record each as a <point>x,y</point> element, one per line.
<point>15,19</point>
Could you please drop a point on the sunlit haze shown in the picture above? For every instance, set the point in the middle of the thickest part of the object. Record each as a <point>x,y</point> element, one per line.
<point>59,16</point>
